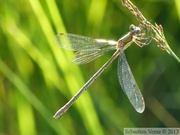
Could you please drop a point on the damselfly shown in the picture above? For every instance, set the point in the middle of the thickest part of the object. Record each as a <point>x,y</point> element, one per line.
<point>88,49</point>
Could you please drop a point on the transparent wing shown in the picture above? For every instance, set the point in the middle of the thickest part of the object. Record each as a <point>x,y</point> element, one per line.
<point>77,42</point>
<point>88,55</point>
<point>129,84</point>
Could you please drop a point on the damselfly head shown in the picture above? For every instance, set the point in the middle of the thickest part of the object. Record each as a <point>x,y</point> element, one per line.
<point>134,29</point>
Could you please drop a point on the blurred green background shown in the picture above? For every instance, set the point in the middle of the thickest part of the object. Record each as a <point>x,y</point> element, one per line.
<point>37,77</point>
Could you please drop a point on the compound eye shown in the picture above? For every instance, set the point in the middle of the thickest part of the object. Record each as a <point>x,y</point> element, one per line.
<point>138,30</point>
<point>132,27</point>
